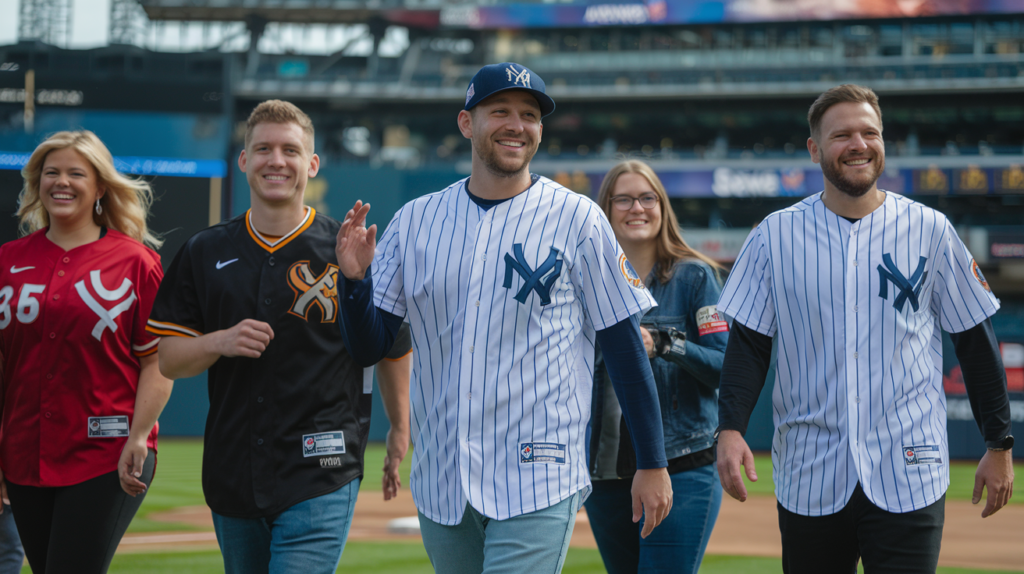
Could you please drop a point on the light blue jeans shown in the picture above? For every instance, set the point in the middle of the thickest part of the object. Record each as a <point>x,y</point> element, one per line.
<point>307,538</point>
<point>12,555</point>
<point>535,543</point>
<point>677,545</point>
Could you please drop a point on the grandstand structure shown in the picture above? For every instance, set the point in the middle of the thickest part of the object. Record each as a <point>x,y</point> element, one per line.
<point>712,93</point>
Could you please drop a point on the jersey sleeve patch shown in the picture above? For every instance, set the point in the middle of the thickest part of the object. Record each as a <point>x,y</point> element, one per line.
<point>976,271</point>
<point>709,320</point>
<point>162,329</point>
<point>627,270</point>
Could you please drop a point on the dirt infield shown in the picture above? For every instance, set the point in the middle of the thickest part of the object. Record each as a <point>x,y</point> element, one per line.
<point>748,529</point>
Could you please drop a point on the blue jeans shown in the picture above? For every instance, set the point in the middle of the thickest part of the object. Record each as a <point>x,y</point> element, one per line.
<point>677,545</point>
<point>535,542</point>
<point>307,538</point>
<point>12,555</point>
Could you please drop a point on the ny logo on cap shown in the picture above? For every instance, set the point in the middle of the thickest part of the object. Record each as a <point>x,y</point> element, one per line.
<point>910,289</point>
<point>533,279</point>
<point>517,77</point>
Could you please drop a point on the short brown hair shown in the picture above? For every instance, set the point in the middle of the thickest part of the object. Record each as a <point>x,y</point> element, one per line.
<point>279,112</point>
<point>846,93</point>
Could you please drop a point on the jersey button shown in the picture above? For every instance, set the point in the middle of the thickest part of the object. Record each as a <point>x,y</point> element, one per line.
<point>55,297</point>
<point>49,375</point>
<point>267,301</point>
<point>260,441</point>
<point>259,399</point>
<point>477,303</point>
<point>271,261</point>
<point>60,273</point>
<point>856,400</point>
<point>67,260</point>
<point>53,335</point>
<point>471,348</point>
<point>855,263</point>
<point>854,308</point>
<point>47,415</point>
<point>855,355</point>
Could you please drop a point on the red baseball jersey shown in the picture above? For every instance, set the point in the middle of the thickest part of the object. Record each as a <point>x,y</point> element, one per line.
<point>72,329</point>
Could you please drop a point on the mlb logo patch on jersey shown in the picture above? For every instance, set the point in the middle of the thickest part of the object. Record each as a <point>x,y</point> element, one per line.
<point>632,277</point>
<point>709,320</point>
<point>323,443</point>
<point>108,427</point>
<point>924,454</point>
<point>541,452</point>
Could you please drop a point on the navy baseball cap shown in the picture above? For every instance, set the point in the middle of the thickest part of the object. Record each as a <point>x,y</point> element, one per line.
<point>507,76</point>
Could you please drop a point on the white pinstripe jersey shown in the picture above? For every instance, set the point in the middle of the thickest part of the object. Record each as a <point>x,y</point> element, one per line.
<point>503,305</point>
<point>858,386</point>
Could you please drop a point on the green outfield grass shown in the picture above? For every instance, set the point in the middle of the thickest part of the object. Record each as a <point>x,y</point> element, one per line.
<point>178,483</point>
<point>410,558</point>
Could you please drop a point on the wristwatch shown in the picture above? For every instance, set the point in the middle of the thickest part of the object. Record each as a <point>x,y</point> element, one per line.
<point>1005,443</point>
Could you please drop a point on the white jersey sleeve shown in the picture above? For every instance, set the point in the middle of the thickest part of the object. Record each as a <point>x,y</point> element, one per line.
<point>962,297</point>
<point>611,289</point>
<point>747,296</point>
<point>388,282</point>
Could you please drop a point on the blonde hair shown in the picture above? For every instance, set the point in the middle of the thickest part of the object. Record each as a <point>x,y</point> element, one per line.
<point>279,112</point>
<point>670,247</point>
<point>126,201</point>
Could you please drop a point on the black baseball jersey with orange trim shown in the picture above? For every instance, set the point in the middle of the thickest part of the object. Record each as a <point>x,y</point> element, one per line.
<point>292,424</point>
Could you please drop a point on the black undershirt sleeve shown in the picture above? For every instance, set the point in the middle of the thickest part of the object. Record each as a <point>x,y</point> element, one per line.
<point>985,379</point>
<point>747,358</point>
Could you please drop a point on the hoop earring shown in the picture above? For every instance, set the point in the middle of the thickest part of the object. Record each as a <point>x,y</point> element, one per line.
<point>99,208</point>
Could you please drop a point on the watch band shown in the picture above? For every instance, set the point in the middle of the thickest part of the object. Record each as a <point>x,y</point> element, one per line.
<point>1005,443</point>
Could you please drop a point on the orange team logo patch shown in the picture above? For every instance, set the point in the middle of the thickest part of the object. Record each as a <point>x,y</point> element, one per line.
<point>977,275</point>
<point>709,320</point>
<point>314,291</point>
<point>632,277</point>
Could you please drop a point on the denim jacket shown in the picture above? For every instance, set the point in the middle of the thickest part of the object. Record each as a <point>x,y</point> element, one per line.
<point>687,376</point>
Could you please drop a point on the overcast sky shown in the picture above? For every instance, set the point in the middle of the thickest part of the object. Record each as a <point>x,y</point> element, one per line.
<point>91,23</point>
<point>90,20</point>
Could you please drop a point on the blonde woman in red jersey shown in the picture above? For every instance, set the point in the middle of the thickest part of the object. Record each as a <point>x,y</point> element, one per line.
<point>82,386</point>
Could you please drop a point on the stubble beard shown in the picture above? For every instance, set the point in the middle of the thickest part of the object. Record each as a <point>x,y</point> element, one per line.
<point>835,176</point>
<point>489,156</point>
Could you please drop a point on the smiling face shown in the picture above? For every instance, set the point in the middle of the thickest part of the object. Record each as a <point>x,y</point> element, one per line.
<point>278,161</point>
<point>505,130</point>
<point>850,148</point>
<point>635,225</point>
<point>68,188</point>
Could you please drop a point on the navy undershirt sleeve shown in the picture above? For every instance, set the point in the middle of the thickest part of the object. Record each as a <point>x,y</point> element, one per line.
<point>368,332</point>
<point>747,358</point>
<point>630,372</point>
<point>985,379</point>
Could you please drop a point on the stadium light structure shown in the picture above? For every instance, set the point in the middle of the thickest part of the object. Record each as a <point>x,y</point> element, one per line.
<point>47,21</point>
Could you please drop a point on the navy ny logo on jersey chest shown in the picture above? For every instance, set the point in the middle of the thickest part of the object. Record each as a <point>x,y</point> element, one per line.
<point>539,280</point>
<point>908,289</point>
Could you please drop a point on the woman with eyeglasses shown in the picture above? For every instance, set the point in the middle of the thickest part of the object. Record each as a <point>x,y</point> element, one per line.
<point>685,339</point>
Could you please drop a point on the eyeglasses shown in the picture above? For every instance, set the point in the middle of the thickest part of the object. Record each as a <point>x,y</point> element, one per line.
<point>625,202</point>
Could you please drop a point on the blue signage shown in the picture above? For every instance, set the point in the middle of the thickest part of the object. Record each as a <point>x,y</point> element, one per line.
<point>141,165</point>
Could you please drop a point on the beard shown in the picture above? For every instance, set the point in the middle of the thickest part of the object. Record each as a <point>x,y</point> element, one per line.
<point>487,151</point>
<point>832,170</point>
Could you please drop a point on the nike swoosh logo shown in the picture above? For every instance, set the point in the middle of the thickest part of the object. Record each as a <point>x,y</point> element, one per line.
<point>20,269</point>
<point>226,263</point>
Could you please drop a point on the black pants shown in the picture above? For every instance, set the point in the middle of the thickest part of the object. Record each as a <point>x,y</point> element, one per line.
<point>75,529</point>
<point>886,541</point>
